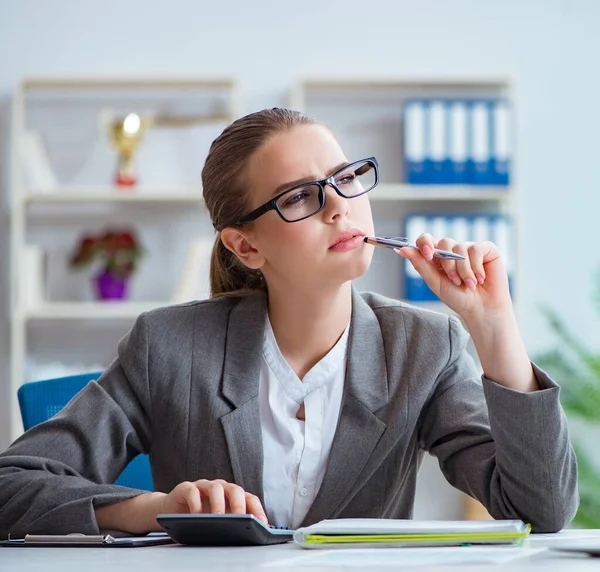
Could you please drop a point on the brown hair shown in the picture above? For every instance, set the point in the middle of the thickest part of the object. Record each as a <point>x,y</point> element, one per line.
<point>227,197</point>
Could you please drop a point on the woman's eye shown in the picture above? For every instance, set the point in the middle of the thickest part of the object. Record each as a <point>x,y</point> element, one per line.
<point>296,199</point>
<point>346,179</point>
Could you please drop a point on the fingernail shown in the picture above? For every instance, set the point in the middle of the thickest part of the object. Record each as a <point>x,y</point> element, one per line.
<point>427,252</point>
<point>455,278</point>
<point>471,284</point>
<point>480,279</point>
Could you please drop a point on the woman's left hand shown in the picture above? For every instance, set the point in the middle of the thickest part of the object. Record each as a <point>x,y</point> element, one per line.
<point>471,287</point>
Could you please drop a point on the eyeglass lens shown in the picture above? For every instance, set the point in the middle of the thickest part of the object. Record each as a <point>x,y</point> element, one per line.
<point>304,201</point>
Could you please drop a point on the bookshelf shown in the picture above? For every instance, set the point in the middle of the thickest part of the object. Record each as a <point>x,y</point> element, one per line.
<point>69,191</point>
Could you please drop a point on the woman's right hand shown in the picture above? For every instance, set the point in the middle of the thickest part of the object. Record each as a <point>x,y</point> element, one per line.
<point>138,514</point>
<point>216,497</point>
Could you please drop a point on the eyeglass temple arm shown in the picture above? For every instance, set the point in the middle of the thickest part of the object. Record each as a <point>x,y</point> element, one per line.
<point>256,213</point>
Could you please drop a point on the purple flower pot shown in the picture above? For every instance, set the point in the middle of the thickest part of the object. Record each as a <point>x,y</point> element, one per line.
<point>110,287</point>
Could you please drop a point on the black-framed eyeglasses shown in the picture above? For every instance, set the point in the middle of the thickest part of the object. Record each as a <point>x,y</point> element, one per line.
<point>307,199</point>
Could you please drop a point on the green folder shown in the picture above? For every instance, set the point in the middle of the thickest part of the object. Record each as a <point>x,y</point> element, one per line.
<point>349,533</point>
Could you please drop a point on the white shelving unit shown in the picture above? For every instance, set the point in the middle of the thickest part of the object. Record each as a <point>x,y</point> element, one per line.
<point>365,115</point>
<point>65,112</point>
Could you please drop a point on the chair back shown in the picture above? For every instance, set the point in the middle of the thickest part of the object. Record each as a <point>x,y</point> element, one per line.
<point>40,400</point>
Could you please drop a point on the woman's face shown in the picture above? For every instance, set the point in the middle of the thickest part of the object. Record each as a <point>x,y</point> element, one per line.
<point>307,253</point>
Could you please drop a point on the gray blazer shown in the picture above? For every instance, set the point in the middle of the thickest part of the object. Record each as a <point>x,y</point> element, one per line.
<point>184,388</point>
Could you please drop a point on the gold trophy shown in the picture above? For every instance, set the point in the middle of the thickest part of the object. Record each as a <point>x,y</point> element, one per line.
<point>125,136</point>
<point>126,133</point>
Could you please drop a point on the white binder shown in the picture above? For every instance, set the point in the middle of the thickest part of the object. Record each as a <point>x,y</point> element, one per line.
<point>414,142</point>
<point>437,143</point>
<point>501,146</point>
<point>480,144</point>
<point>458,142</point>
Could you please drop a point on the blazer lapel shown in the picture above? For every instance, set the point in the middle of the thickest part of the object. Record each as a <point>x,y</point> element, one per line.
<point>241,373</point>
<point>359,429</point>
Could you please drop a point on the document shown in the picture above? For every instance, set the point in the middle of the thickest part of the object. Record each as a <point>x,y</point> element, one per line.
<point>351,532</point>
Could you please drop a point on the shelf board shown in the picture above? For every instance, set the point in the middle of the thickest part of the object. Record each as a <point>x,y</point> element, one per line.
<point>384,192</point>
<point>126,82</point>
<point>410,82</point>
<point>90,310</point>
<point>109,194</point>
<point>406,192</point>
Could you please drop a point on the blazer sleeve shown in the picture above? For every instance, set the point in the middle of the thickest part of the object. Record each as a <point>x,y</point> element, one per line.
<point>53,476</point>
<point>507,449</point>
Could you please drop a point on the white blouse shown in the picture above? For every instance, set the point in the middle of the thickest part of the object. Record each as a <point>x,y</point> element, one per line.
<point>296,452</point>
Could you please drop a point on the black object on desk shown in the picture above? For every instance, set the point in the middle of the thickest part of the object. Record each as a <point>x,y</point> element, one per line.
<point>76,540</point>
<point>222,530</point>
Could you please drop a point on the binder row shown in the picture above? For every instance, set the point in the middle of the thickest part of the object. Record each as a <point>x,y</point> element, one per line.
<point>475,228</point>
<point>456,141</point>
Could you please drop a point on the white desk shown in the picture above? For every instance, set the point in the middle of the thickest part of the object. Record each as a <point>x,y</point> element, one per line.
<point>274,558</point>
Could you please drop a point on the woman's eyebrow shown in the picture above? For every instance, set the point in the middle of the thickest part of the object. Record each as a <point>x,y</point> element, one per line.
<point>291,184</point>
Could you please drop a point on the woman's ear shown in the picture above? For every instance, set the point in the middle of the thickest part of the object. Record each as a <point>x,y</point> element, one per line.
<point>240,244</point>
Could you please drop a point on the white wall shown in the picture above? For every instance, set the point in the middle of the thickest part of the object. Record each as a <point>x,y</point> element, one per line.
<point>548,47</point>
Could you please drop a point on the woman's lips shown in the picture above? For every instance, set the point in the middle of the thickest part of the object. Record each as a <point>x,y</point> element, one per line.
<point>348,244</point>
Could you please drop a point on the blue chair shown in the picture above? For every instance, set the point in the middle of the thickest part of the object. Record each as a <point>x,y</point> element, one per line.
<point>40,400</point>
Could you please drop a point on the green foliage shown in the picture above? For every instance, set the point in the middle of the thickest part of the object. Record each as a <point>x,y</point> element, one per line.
<point>577,369</point>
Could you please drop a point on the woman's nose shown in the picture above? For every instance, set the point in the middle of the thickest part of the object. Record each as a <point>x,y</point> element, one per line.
<point>335,204</point>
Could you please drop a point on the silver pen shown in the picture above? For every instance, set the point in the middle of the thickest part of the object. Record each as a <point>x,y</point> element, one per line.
<point>402,242</point>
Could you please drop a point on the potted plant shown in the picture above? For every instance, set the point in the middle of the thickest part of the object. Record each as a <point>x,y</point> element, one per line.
<point>116,253</point>
<point>577,368</point>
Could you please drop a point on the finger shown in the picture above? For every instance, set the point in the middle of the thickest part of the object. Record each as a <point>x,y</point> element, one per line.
<point>236,496</point>
<point>449,266</point>
<point>476,251</point>
<point>463,267</point>
<point>426,245</point>
<point>216,496</point>
<point>187,494</point>
<point>254,506</point>
<point>431,273</point>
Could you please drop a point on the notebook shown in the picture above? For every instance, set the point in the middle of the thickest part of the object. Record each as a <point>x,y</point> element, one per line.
<point>370,532</point>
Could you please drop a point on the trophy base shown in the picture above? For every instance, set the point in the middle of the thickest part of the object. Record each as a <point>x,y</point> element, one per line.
<point>125,181</point>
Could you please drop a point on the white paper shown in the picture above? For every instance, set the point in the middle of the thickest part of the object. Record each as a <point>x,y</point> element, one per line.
<point>369,558</point>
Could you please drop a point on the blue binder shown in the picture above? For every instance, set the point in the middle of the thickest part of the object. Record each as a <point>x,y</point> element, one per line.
<point>457,141</point>
<point>479,163</point>
<point>500,142</point>
<point>415,288</point>
<point>414,141</point>
<point>437,161</point>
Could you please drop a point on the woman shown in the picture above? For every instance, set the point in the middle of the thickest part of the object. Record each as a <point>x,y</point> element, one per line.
<point>289,395</point>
